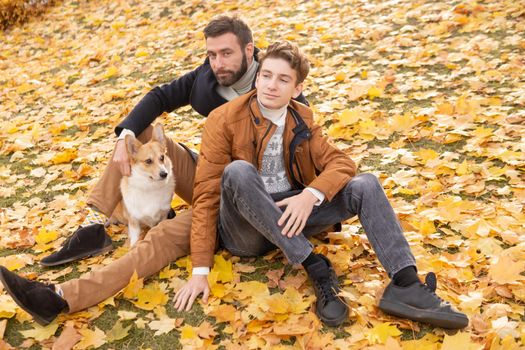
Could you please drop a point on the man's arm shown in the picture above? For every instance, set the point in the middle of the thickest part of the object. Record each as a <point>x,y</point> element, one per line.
<point>335,167</point>
<point>215,154</point>
<point>164,98</point>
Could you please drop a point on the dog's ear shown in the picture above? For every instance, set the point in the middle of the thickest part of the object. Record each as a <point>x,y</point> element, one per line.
<point>132,145</point>
<point>158,134</point>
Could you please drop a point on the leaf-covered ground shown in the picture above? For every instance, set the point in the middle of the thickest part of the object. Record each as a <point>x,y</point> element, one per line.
<point>429,96</point>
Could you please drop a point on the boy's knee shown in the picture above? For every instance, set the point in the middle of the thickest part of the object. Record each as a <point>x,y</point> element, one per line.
<point>239,171</point>
<point>364,183</point>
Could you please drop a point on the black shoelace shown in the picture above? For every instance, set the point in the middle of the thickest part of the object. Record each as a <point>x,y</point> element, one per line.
<point>327,290</point>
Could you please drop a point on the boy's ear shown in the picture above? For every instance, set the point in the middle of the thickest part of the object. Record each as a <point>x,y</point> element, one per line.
<point>158,134</point>
<point>298,90</point>
<point>132,145</point>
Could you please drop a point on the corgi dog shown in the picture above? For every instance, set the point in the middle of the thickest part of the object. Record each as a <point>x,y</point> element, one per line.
<point>147,192</point>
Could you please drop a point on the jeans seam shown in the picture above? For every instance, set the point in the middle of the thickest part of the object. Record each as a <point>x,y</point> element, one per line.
<point>378,242</point>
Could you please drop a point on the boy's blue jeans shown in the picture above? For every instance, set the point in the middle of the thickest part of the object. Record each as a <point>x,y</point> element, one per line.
<point>248,218</point>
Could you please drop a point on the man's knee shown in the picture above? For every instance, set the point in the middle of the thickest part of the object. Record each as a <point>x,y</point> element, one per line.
<point>239,171</point>
<point>145,135</point>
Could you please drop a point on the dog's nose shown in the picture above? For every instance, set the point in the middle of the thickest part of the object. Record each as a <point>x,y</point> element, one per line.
<point>163,174</point>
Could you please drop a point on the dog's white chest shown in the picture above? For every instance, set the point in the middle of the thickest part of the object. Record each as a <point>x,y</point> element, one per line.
<point>148,204</point>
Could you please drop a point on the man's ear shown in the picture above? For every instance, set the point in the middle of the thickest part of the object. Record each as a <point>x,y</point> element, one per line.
<point>298,90</point>
<point>257,79</point>
<point>132,145</point>
<point>249,50</point>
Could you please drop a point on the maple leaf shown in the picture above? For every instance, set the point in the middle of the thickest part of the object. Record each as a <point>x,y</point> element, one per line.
<point>295,325</point>
<point>223,268</point>
<point>461,341</point>
<point>471,302</point>
<point>428,342</point>
<point>274,276</point>
<point>189,337</point>
<point>390,344</point>
<point>15,262</point>
<point>64,157</point>
<point>164,325</point>
<point>223,313</point>
<point>252,289</point>
<point>150,297</point>
<point>507,270</point>
<point>117,332</point>
<point>374,92</point>
<point>277,304</point>
<point>134,286</point>
<point>167,273</point>
<point>45,236</point>
<point>351,116</point>
<point>381,332</point>
<point>40,333</point>
<point>206,330</point>
<point>91,339</point>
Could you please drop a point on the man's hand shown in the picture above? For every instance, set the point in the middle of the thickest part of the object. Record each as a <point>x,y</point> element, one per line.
<point>298,209</point>
<point>185,297</point>
<point>120,157</point>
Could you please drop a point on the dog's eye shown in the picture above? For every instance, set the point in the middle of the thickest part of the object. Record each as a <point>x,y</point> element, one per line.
<point>148,161</point>
<point>161,158</point>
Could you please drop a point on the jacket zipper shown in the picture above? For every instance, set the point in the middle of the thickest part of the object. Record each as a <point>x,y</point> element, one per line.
<point>262,142</point>
<point>296,161</point>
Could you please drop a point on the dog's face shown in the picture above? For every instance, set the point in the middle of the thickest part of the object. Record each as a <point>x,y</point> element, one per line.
<point>149,160</point>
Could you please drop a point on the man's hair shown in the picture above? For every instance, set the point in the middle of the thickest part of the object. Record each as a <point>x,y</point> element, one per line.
<point>291,54</point>
<point>225,24</point>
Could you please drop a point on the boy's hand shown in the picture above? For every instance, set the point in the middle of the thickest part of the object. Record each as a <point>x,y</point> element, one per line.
<point>298,209</point>
<point>185,297</point>
<point>120,157</point>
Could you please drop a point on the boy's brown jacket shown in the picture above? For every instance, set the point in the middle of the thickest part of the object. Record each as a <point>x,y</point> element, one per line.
<point>238,131</point>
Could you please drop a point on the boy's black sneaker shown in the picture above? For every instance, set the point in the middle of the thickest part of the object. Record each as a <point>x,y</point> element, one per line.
<point>419,302</point>
<point>38,299</point>
<point>329,307</point>
<point>90,240</point>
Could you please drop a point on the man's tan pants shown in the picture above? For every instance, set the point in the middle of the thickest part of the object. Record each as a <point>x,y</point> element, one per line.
<point>164,243</point>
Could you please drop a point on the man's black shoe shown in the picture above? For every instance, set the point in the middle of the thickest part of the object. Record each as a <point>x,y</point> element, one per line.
<point>38,299</point>
<point>419,302</point>
<point>87,241</point>
<point>329,307</point>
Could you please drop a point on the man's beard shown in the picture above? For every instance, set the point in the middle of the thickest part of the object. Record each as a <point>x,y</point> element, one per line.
<point>233,77</point>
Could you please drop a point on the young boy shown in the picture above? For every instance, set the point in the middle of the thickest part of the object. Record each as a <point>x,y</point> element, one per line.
<point>268,178</point>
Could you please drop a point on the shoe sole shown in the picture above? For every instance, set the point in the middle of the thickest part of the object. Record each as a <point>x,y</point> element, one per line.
<point>79,257</point>
<point>336,322</point>
<point>440,319</point>
<point>41,321</point>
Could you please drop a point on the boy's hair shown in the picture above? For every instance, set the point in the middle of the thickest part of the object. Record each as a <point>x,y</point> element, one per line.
<point>225,24</point>
<point>291,54</point>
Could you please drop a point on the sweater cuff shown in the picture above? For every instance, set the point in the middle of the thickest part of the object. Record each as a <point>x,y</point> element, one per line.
<point>201,271</point>
<point>125,132</point>
<point>320,195</point>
